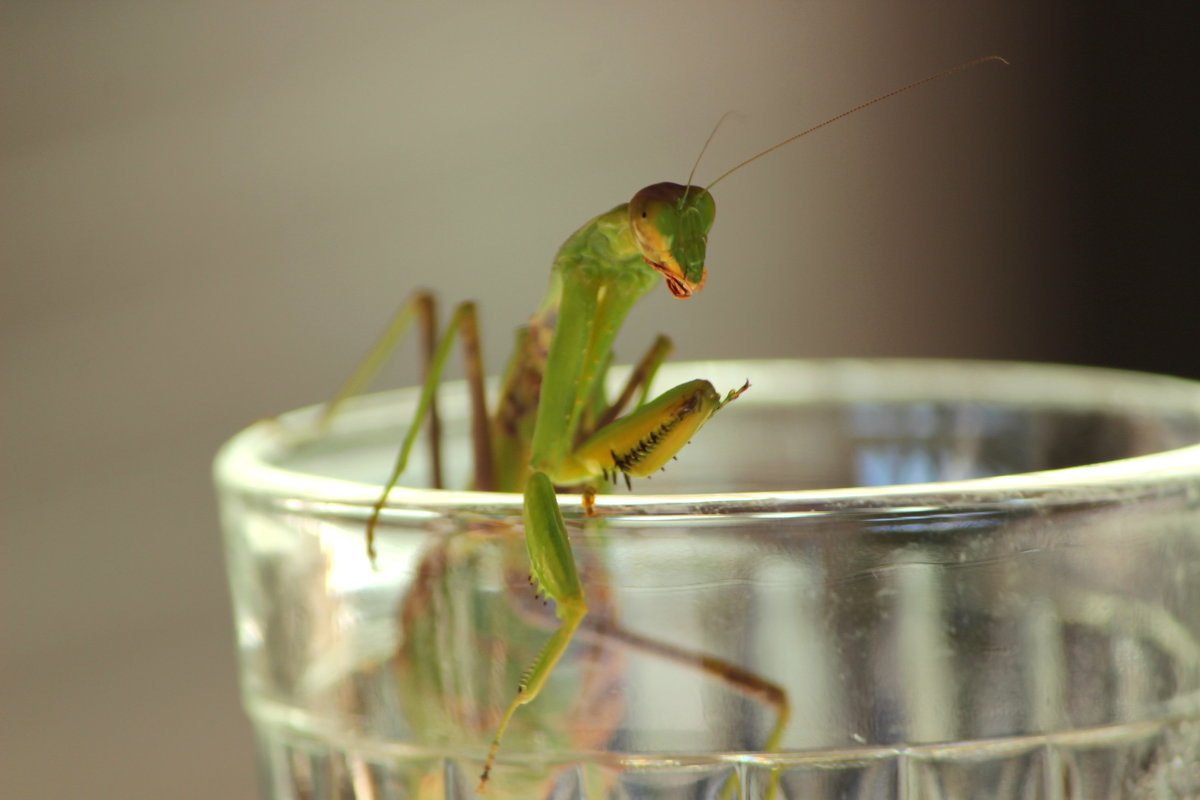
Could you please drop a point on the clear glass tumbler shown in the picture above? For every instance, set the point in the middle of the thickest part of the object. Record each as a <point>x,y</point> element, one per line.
<point>1006,604</point>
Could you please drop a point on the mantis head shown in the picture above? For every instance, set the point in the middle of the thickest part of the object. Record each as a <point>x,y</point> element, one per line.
<point>670,224</point>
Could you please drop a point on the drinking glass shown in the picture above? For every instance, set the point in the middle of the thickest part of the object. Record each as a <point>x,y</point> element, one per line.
<point>931,579</point>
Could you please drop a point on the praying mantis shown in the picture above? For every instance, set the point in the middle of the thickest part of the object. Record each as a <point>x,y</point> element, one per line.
<point>553,425</point>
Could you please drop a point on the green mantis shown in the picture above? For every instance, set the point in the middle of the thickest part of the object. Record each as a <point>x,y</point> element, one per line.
<point>553,425</point>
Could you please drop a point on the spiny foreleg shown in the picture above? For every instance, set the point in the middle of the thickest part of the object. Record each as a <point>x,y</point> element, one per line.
<point>643,441</point>
<point>552,567</point>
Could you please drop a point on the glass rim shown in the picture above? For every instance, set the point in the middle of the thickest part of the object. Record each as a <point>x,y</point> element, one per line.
<point>243,464</point>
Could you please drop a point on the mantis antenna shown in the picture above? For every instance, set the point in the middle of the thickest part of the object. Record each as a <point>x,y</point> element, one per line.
<point>831,120</point>
<point>687,186</point>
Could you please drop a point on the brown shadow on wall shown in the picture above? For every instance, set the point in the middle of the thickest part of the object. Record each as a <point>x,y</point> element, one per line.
<point>1133,176</point>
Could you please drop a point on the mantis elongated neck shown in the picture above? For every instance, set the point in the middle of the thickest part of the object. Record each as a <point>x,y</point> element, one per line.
<point>599,274</point>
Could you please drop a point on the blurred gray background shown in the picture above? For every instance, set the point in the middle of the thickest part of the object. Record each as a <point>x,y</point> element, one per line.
<point>209,209</point>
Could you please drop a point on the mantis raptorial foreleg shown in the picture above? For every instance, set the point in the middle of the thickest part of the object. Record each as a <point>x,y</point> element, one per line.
<point>552,569</point>
<point>641,443</point>
<point>636,444</point>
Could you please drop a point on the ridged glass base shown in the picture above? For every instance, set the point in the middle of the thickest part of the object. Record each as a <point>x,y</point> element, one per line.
<point>1149,760</point>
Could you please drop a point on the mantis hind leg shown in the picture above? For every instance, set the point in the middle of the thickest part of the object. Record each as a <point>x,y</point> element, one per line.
<point>463,323</point>
<point>746,683</point>
<point>605,630</point>
<point>422,306</point>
